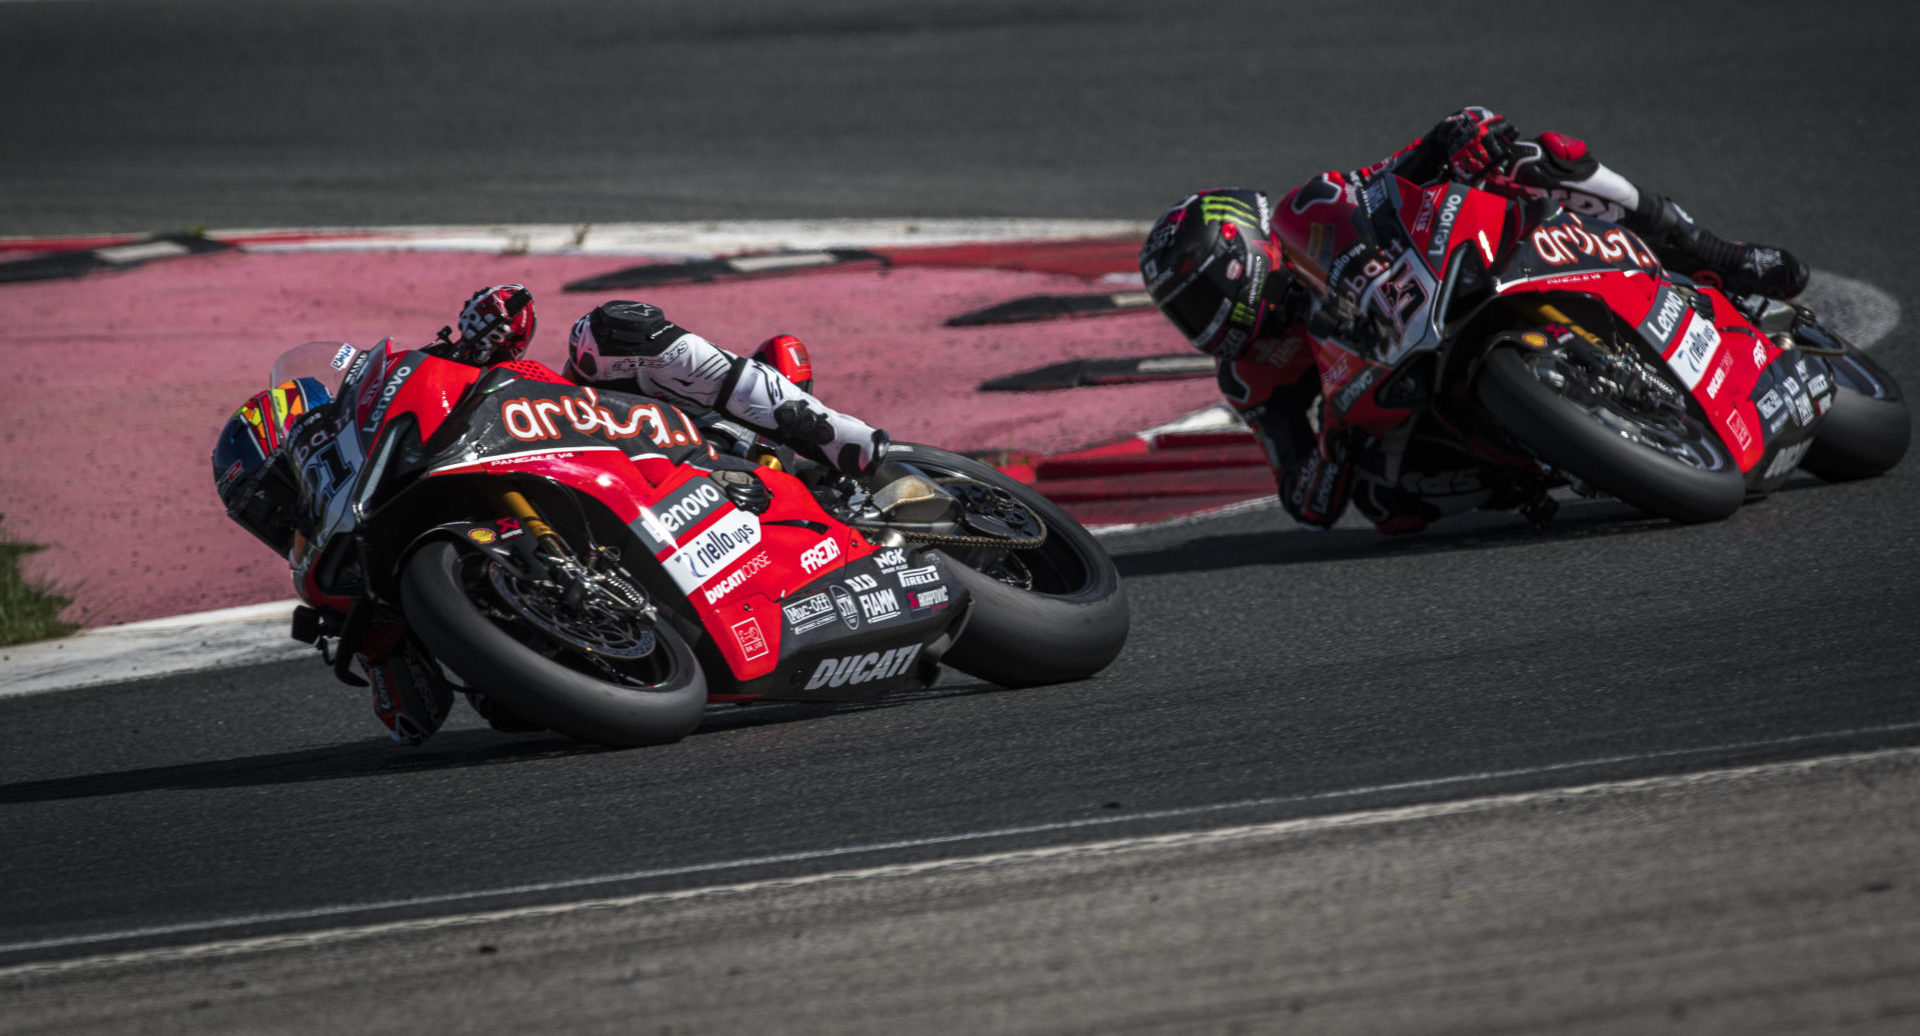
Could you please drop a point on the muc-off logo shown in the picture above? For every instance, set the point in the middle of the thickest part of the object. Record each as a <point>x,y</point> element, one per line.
<point>1443,230</point>
<point>809,613</point>
<point>694,502</point>
<point>861,669</point>
<point>387,392</point>
<point>819,556</point>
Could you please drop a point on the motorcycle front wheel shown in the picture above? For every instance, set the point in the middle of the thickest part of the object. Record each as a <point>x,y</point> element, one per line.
<point>1050,614</point>
<point>1655,456</point>
<point>502,646</point>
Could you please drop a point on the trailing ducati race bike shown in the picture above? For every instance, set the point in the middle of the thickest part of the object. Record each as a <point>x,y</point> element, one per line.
<point>599,564</point>
<point>1560,352</point>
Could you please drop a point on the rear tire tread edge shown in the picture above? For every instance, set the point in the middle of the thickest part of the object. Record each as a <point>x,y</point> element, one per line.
<point>1860,437</point>
<point>1019,639</point>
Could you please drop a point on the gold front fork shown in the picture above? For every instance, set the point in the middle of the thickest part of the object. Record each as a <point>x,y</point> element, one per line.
<point>518,507</point>
<point>1547,312</point>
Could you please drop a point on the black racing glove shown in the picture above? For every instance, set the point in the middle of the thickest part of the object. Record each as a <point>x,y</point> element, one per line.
<point>798,424</point>
<point>1476,141</point>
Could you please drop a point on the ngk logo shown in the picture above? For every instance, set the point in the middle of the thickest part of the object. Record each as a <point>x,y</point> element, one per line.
<point>819,556</point>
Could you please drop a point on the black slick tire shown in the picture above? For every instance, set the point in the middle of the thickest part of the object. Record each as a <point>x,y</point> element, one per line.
<point>1565,435</point>
<point>1021,638</point>
<point>1868,428</point>
<point>536,687</point>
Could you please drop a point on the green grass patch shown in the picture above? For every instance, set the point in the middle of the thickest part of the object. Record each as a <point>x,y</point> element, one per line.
<point>27,611</point>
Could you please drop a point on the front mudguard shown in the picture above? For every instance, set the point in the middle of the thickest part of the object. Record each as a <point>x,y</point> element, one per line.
<point>500,539</point>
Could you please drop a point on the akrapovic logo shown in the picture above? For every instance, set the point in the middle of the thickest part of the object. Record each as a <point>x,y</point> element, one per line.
<point>819,556</point>
<point>859,669</point>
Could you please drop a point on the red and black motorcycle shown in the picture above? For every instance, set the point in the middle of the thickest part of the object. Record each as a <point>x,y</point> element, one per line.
<point>598,563</point>
<point>1560,352</point>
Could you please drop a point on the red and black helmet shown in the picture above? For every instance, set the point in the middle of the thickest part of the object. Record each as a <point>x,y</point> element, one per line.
<point>1207,264</point>
<point>496,326</point>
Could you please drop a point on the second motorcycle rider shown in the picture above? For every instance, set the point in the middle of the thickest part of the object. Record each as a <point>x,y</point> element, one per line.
<point>1213,265</point>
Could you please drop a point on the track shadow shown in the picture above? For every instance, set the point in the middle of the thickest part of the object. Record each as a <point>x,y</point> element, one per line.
<point>760,714</point>
<point>449,750</point>
<point>1480,531</point>
<point>351,759</point>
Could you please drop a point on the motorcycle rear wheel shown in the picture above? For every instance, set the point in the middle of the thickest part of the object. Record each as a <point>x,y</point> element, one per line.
<point>447,600</point>
<point>1069,622</point>
<point>1674,466</point>
<point>1868,428</point>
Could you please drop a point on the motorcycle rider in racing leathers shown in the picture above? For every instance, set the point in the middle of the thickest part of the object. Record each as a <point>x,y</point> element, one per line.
<point>1213,266</point>
<point>625,345</point>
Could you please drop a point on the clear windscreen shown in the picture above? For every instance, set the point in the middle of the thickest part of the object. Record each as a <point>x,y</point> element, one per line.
<point>326,362</point>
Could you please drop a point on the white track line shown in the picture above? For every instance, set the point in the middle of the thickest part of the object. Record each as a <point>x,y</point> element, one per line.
<point>231,947</point>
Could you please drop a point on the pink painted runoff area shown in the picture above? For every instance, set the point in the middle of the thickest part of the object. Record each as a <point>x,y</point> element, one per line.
<point>116,384</point>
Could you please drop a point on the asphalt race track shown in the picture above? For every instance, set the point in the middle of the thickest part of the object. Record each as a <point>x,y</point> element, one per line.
<point>1390,727</point>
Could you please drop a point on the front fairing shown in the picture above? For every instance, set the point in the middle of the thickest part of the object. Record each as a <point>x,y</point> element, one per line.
<point>1436,243</point>
<point>741,544</point>
<point>1761,400</point>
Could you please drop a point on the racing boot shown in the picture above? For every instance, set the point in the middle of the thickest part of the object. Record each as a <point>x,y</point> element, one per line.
<point>1736,267</point>
<point>410,695</point>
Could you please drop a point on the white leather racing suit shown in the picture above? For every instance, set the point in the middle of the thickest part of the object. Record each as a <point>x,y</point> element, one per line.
<point>624,343</point>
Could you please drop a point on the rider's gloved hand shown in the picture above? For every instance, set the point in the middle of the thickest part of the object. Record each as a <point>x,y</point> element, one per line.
<point>1476,142</point>
<point>848,444</point>
<point>798,424</point>
<point>1315,492</point>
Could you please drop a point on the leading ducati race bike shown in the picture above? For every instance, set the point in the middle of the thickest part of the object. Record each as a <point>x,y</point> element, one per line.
<point>597,563</point>
<point>1560,352</point>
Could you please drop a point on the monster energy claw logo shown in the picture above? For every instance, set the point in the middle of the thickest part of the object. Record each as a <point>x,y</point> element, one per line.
<point>1218,208</point>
